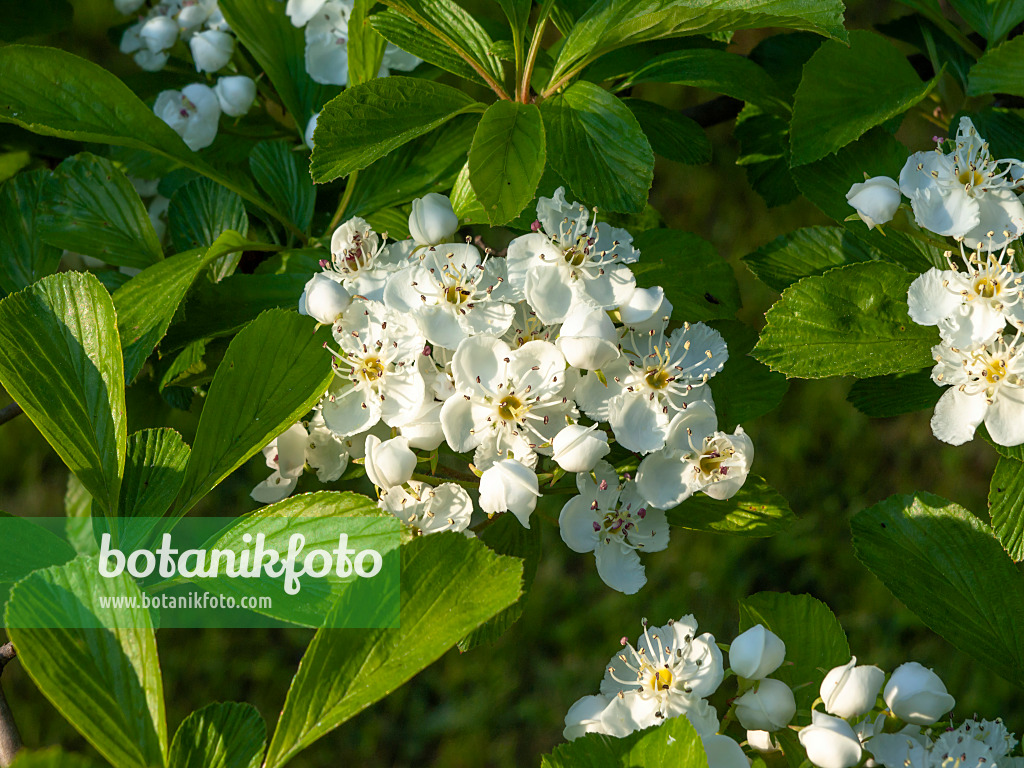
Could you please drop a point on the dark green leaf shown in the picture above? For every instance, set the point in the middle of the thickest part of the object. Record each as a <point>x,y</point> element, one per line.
<point>29,547</point>
<point>674,743</point>
<point>222,735</point>
<point>284,176</point>
<point>199,213</point>
<point>507,159</point>
<point>153,474</point>
<point>408,35</point>
<point>744,389</point>
<point>60,359</point>
<point>851,321</point>
<point>783,57</point>
<point>1006,505</point>
<point>894,395</point>
<point>947,567</point>
<point>757,510</point>
<point>839,99</point>
<point>597,146</point>
<point>1000,70</point>
<point>764,153</point>
<point>939,47</point>
<point>670,133</point>
<point>24,257</point>
<point>992,18</point>
<point>368,121</point>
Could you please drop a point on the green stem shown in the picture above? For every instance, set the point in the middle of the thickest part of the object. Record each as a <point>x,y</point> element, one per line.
<point>469,484</point>
<point>531,60</point>
<point>936,17</point>
<point>346,198</point>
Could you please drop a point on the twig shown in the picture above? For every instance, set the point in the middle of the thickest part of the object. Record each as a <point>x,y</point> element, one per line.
<point>8,412</point>
<point>10,739</point>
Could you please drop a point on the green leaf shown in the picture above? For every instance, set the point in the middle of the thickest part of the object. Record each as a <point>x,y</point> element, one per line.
<point>894,395</point>
<point>674,743</point>
<point>611,24</point>
<point>506,536</point>
<point>342,673</point>
<point>597,146</point>
<point>97,665</point>
<point>994,19</point>
<point>744,389</point>
<point>851,321</point>
<point>273,373</point>
<point>757,510</point>
<point>712,70</point>
<point>153,474</point>
<point>408,35</point>
<point>1006,505</point>
<point>147,302</point>
<point>764,153</point>
<point>60,359</point>
<point>200,212</point>
<point>29,547</point>
<point>507,159</point>
<point>78,518</point>
<point>88,206</point>
<point>815,250</point>
<point>53,757</point>
<point>464,202</point>
<point>946,566</point>
<point>368,121</point>
<point>365,45</point>
<point>222,735</point>
<point>24,257</point>
<point>280,50</point>
<point>1000,70</point>
<point>283,175</point>
<point>315,516</point>
<point>815,642</point>
<point>839,99</point>
<point>672,258</point>
<point>670,133</point>
<point>1003,129</point>
<point>518,14</point>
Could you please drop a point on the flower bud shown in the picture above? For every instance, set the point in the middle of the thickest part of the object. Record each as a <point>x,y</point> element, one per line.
<point>578,449</point>
<point>323,299</point>
<point>159,33</point>
<point>767,707</point>
<point>211,49</point>
<point>724,752</point>
<point>235,94</point>
<point>310,127</point>
<point>644,305</point>
<point>587,339</point>
<point>509,485</point>
<point>875,200</point>
<point>916,695</point>
<point>389,463</point>
<point>830,742</point>
<point>432,221</point>
<point>762,741</point>
<point>195,12</point>
<point>850,691</point>
<point>756,653</point>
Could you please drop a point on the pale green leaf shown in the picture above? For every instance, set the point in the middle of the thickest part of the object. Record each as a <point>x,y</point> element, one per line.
<point>222,735</point>
<point>1006,505</point>
<point>757,510</point>
<point>674,743</point>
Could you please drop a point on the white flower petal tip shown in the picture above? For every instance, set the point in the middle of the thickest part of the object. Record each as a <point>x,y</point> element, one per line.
<point>510,486</point>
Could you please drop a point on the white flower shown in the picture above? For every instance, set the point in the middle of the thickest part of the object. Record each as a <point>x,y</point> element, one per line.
<point>327,43</point>
<point>609,715</point>
<point>768,706</point>
<point>963,194</point>
<point>762,741</point>
<point>916,695</point>
<point>377,376</point>
<point>452,294</point>
<point>588,339</point>
<point>301,11</point>
<point>905,749</point>
<point>432,221</point>
<point>389,463</point>
<point>756,653</point>
<point>132,42</point>
<point>235,94</point>
<point>830,742</point>
<point>875,200</point>
<point>193,13</point>
<point>611,520</point>
<point>193,112</point>
<point>324,298</point>
<point>424,431</point>
<point>668,673</point>
<point>507,401</point>
<point>526,326</point>
<point>577,448</point>
<point>310,128</point>
<point>211,49</point>
<point>985,384</point>
<point>509,485</point>
<point>159,33</point>
<point>572,261</point>
<point>724,752</point>
<point>286,455</point>
<point>850,691</point>
<point>397,59</point>
<point>646,308</point>
<point>361,258</point>
<point>432,510</point>
<point>656,378</point>
<point>973,306</point>
<point>325,453</point>
<point>126,7</point>
<point>696,457</point>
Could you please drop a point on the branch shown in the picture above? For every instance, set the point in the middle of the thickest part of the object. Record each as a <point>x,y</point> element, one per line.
<point>7,413</point>
<point>10,739</point>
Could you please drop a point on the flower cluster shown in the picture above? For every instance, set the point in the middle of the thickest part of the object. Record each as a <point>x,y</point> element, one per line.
<point>671,671</point>
<point>197,23</point>
<point>507,373</point>
<point>326,30</point>
<point>977,302</point>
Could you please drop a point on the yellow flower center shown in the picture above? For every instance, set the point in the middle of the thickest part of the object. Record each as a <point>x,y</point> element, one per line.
<point>986,287</point>
<point>970,178</point>
<point>657,378</point>
<point>371,370</point>
<point>661,680</point>
<point>509,407</point>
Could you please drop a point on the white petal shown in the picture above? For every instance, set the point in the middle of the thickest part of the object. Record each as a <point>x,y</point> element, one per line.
<point>480,365</point>
<point>638,422</point>
<point>458,423</point>
<point>934,295</point>
<point>945,212</point>
<point>274,489</point>
<point>619,567</point>
<point>549,292</point>
<point>1001,213</point>
<point>576,525</point>
<point>537,366</point>
<point>405,393</point>
<point>1005,417</point>
<point>957,415</point>
<point>351,411</point>
<point>662,479</point>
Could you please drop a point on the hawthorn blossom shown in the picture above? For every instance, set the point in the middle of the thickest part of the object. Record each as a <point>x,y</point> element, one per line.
<point>696,457</point>
<point>235,94</point>
<point>432,220</point>
<point>193,113</point>
<point>360,257</point>
<point>288,453</point>
<point>571,261</point>
<point>965,193</point>
<point>611,519</point>
<point>875,199</point>
<point>431,510</point>
<point>211,49</point>
<point>508,485</point>
<point>327,43</point>
<point>830,742</point>
<point>986,383</point>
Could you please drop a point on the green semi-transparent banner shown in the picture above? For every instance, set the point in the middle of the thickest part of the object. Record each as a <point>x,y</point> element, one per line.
<point>257,571</point>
